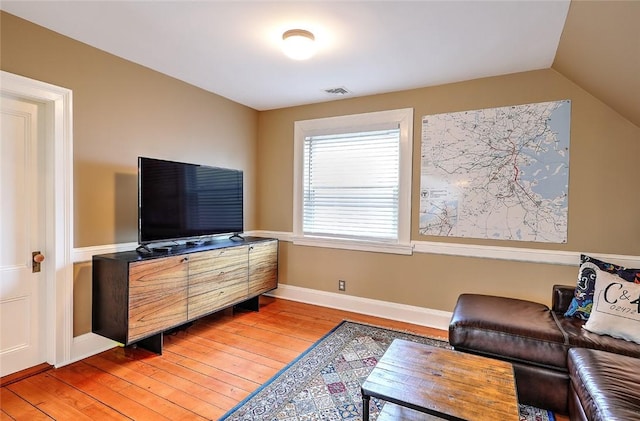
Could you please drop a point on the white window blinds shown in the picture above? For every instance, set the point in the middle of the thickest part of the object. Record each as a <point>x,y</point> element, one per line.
<point>351,185</point>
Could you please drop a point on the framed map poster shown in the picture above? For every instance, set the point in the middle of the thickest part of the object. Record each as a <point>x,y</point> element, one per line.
<point>497,173</point>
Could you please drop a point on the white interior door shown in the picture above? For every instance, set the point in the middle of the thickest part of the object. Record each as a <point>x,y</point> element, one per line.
<point>22,232</point>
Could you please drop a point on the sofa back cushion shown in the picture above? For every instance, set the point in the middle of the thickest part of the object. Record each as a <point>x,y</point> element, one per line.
<point>578,337</point>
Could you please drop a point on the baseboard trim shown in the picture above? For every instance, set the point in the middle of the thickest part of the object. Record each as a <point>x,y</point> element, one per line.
<point>23,374</point>
<point>87,345</point>
<point>401,312</point>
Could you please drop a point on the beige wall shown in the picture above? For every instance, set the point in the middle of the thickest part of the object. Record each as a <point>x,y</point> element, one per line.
<point>121,111</point>
<point>603,204</point>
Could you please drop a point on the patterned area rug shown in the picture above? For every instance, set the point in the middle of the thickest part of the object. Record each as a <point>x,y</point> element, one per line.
<point>324,382</point>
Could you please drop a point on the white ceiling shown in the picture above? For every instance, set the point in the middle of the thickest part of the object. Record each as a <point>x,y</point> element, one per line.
<point>232,48</point>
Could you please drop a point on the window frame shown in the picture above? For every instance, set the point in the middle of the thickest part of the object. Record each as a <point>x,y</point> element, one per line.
<point>403,118</point>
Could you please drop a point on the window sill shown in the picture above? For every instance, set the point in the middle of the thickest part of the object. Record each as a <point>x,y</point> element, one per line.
<point>370,246</point>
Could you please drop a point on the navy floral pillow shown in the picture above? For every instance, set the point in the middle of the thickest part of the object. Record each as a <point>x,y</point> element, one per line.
<point>582,302</point>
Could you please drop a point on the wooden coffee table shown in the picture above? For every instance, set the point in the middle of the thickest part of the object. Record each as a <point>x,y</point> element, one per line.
<point>440,382</point>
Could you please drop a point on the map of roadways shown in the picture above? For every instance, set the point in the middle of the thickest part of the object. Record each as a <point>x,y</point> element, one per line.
<point>497,173</point>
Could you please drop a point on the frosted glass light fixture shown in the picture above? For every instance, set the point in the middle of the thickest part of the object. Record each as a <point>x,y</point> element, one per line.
<point>298,44</point>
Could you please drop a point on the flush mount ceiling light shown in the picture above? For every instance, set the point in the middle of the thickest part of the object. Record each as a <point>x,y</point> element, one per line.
<point>298,44</point>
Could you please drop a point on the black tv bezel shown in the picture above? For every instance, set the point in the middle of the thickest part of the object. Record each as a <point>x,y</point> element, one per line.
<point>196,239</point>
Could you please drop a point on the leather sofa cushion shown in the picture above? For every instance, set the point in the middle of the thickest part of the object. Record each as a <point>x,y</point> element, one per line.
<point>508,328</point>
<point>606,384</point>
<point>579,337</point>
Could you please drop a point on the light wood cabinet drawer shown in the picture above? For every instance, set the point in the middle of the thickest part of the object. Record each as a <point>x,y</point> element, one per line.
<point>217,279</point>
<point>263,267</point>
<point>157,295</point>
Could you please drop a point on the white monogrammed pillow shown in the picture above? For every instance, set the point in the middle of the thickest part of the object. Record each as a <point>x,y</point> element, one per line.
<point>616,308</point>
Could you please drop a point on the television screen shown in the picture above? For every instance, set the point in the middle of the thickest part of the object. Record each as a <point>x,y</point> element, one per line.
<point>178,200</point>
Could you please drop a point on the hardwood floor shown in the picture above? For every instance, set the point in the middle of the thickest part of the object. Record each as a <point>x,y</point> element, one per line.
<point>203,372</point>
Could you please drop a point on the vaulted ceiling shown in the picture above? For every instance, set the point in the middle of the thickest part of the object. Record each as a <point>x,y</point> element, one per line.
<point>232,48</point>
<point>600,51</point>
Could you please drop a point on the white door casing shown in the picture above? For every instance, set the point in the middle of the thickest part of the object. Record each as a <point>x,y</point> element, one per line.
<point>55,104</point>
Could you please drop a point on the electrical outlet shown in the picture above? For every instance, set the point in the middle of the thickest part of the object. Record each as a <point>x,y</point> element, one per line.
<point>342,285</point>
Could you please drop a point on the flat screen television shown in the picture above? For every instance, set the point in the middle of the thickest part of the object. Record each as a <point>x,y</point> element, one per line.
<point>182,201</point>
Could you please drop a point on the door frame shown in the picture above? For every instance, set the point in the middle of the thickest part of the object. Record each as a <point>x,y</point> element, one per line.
<point>58,269</point>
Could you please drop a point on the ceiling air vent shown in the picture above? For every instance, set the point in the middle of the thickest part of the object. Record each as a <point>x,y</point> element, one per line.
<point>337,91</point>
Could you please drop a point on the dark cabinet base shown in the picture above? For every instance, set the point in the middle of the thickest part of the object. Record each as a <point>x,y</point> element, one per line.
<point>252,304</point>
<point>152,343</point>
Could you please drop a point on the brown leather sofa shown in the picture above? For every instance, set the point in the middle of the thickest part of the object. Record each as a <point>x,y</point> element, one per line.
<point>536,339</point>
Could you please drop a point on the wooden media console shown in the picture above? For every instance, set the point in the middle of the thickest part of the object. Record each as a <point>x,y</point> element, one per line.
<point>138,296</point>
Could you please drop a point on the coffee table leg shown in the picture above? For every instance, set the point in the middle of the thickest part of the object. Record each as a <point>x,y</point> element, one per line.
<point>365,407</point>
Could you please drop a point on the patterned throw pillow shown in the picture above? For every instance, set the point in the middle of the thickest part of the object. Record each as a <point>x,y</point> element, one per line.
<point>616,308</point>
<point>582,302</point>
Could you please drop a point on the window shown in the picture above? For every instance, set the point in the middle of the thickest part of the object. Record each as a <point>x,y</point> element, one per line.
<point>352,181</point>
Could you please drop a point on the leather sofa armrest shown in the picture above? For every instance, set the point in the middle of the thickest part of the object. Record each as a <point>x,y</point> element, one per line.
<point>562,296</point>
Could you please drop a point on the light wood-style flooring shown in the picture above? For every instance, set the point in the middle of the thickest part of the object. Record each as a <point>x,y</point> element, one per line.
<point>203,372</point>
